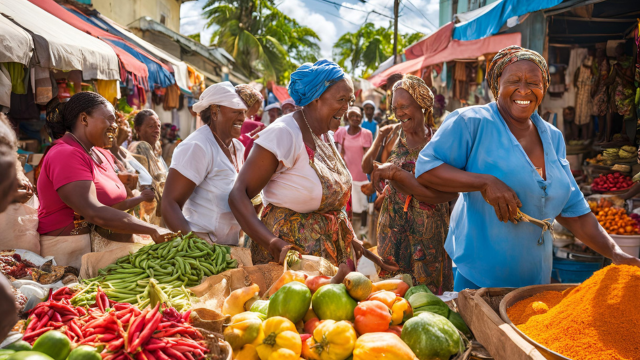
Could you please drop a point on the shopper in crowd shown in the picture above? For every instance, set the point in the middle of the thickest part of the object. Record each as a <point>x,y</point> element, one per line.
<point>412,226</point>
<point>169,139</point>
<point>204,168</point>
<point>8,189</point>
<point>600,91</point>
<point>305,183</point>
<point>289,106</point>
<point>274,111</point>
<point>78,186</point>
<point>503,157</point>
<point>253,100</point>
<point>369,122</point>
<point>148,151</point>
<point>439,111</point>
<point>354,142</point>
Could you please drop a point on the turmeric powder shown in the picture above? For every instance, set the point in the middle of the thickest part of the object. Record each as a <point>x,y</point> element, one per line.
<point>521,311</point>
<point>597,320</point>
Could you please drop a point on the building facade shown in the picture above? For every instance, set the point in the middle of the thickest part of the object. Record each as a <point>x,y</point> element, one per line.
<point>166,12</point>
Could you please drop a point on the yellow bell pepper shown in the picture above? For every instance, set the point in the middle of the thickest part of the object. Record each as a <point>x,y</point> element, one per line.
<point>248,352</point>
<point>281,340</point>
<point>400,310</point>
<point>382,346</point>
<point>243,329</point>
<point>330,341</point>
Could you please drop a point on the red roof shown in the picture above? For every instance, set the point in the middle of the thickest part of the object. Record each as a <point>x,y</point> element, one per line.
<point>434,43</point>
<point>280,92</point>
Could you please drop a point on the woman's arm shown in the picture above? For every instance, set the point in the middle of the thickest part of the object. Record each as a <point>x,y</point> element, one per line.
<point>407,184</point>
<point>447,178</point>
<point>82,198</point>
<point>177,191</point>
<point>146,195</point>
<point>372,152</point>
<point>587,229</point>
<point>254,176</point>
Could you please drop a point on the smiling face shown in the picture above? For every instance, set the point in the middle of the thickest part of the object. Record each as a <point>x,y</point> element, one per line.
<point>227,121</point>
<point>406,109</point>
<point>354,118</point>
<point>334,102</point>
<point>520,90</point>
<point>149,131</point>
<point>100,125</point>
<point>368,111</point>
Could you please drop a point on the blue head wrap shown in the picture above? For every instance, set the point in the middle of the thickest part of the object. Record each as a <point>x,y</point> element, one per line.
<point>311,80</point>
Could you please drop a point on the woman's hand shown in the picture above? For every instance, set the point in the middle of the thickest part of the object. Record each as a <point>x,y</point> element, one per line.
<point>148,195</point>
<point>503,199</point>
<point>619,257</point>
<point>279,248</point>
<point>382,172</point>
<point>24,192</point>
<point>160,235</point>
<point>386,130</point>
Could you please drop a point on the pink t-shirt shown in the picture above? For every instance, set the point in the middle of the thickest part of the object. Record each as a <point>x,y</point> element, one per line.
<point>353,146</point>
<point>67,162</point>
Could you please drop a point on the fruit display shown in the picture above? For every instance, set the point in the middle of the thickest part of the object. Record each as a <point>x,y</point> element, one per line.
<point>611,182</point>
<point>613,219</point>
<point>356,319</point>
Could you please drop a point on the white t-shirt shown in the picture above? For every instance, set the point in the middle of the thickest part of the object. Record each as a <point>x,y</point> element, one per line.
<point>200,159</point>
<point>295,185</point>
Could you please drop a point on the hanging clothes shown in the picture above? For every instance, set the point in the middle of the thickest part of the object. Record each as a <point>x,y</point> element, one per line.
<point>171,97</point>
<point>460,86</point>
<point>584,84</point>
<point>5,87</point>
<point>17,74</point>
<point>108,89</point>
<point>42,82</point>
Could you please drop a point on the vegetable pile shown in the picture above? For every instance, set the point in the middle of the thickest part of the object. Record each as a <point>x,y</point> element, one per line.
<point>176,264</point>
<point>312,318</point>
<point>119,330</point>
<point>614,220</point>
<point>611,182</point>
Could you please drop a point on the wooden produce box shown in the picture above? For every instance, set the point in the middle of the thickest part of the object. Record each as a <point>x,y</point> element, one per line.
<point>479,309</point>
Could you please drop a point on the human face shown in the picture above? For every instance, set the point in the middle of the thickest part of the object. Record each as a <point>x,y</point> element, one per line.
<point>334,102</point>
<point>8,181</point>
<point>407,109</point>
<point>368,111</point>
<point>228,121</point>
<point>254,108</point>
<point>288,109</point>
<point>124,132</point>
<point>149,131</point>
<point>100,127</point>
<point>274,114</point>
<point>520,90</point>
<point>354,118</point>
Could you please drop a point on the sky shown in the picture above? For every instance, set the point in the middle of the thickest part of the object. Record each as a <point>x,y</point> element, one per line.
<point>330,21</point>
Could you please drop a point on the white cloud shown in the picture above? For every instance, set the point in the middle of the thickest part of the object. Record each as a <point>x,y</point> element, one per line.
<point>325,29</point>
<point>410,18</point>
<point>192,21</point>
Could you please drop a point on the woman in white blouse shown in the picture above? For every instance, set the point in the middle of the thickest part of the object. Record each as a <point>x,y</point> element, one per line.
<point>204,168</point>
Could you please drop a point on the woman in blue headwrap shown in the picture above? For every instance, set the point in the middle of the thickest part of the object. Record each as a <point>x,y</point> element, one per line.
<point>304,182</point>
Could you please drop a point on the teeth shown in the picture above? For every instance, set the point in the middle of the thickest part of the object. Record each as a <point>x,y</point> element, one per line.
<point>521,102</point>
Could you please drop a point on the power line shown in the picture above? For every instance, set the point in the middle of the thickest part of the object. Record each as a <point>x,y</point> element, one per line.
<point>435,27</point>
<point>356,9</point>
<point>340,17</point>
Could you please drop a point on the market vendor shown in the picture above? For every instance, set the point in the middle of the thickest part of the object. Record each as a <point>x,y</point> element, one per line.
<point>503,157</point>
<point>205,166</point>
<point>304,182</point>
<point>78,182</point>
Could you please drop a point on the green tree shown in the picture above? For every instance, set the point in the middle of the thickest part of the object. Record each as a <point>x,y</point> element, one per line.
<point>369,46</point>
<point>262,40</point>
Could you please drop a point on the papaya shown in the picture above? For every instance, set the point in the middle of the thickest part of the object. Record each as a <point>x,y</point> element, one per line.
<point>431,337</point>
<point>358,286</point>
<point>234,303</point>
<point>291,301</point>
<point>29,355</point>
<point>19,345</point>
<point>332,302</point>
<point>399,287</point>
<point>386,297</point>
<point>84,352</point>
<point>53,343</point>
<point>425,302</point>
<point>459,323</point>
<point>287,277</point>
<point>315,282</point>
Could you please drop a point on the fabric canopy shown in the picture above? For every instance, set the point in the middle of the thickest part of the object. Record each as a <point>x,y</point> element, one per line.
<point>128,62</point>
<point>488,20</point>
<point>61,46</point>
<point>433,44</point>
<point>16,44</point>
<point>280,92</point>
<point>159,73</point>
<point>456,50</point>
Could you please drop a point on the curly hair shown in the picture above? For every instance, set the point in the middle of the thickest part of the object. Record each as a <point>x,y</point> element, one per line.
<point>62,116</point>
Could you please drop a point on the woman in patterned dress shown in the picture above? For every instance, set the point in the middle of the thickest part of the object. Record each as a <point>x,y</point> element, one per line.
<point>304,182</point>
<point>411,231</point>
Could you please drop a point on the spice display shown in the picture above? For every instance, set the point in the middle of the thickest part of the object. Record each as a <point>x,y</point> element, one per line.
<point>596,320</point>
<point>535,305</point>
<point>11,264</point>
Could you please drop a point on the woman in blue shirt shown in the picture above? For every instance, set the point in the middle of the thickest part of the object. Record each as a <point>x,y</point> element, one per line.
<point>503,157</point>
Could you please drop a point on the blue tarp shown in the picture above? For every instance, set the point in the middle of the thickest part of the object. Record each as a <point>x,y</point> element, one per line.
<point>158,75</point>
<point>490,22</point>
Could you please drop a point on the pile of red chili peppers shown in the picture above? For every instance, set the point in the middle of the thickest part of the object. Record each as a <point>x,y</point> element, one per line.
<point>123,330</point>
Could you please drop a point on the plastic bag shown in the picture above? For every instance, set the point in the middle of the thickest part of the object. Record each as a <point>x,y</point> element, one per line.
<point>19,226</point>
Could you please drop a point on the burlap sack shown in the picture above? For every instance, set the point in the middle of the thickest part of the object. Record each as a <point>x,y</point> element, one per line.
<point>92,262</point>
<point>19,226</point>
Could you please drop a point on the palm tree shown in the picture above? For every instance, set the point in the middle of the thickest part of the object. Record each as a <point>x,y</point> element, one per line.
<point>369,46</point>
<point>262,39</point>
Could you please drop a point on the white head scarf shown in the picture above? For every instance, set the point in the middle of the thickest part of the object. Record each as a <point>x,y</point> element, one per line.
<point>354,109</point>
<point>289,101</point>
<point>273,106</point>
<point>223,93</point>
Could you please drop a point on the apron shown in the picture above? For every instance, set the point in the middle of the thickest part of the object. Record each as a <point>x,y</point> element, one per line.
<point>326,232</point>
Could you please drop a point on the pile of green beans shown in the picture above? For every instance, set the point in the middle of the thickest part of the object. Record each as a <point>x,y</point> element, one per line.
<point>176,265</point>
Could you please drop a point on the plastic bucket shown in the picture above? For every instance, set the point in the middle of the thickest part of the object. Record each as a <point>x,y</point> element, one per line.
<point>628,243</point>
<point>573,272</point>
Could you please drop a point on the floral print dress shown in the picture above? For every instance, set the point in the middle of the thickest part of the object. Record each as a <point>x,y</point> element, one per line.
<point>326,232</point>
<point>412,233</point>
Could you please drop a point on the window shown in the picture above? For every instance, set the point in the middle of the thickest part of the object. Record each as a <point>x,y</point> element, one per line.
<point>163,19</point>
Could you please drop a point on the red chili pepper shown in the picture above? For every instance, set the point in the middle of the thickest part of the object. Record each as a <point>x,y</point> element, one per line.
<point>67,318</point>
<point>101,322</point>
<point>44,320</point>
<point>147,332</point>
<point>75,329</point>
<point>188,356</point>
<point>148,355</point>
<point>160,355</point>
<point>55,325</point>
<point>199,353</point>
<point>122,306</point>
<point>126,318</point>
<point>33,322</point>
<point>63,309</point>
<point>174,354</point>
<point>186,316</point>
<point>115,345</point>
<point>40,310</point>
<point>81,311</point>
<point>36,333</point>
<point>56,317</point>
<point>70,335</point>
<point>155,347</point>
<point>91,338</point>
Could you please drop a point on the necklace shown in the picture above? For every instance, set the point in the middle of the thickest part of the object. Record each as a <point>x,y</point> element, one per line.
<point>89,152</point>
<point>325,151</point>
<point>233,158</point>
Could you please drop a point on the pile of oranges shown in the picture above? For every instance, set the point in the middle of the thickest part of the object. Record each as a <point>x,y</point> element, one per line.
<point>614,220</point>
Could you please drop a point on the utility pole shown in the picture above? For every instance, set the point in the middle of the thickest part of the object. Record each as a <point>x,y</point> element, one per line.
<point>396,5</point>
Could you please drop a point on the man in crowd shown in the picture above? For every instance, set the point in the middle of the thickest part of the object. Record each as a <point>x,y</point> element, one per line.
<point>274,110</point>
<point>369,122</point>
<point>288,106</point>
